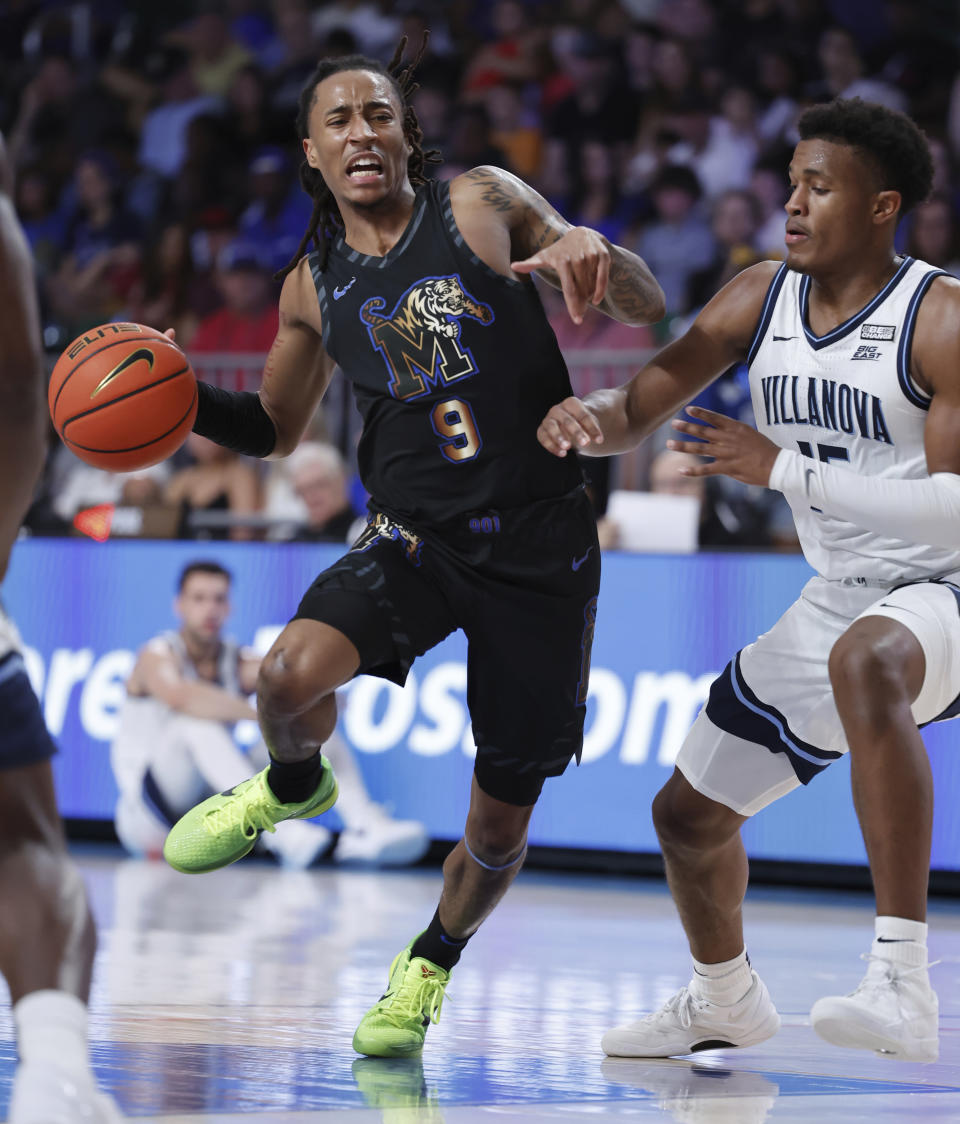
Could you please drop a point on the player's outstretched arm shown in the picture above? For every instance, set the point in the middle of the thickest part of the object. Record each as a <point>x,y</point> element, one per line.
<point>527,235</point>
<point>22,375</point>
<point>271,422</point>
<point>612,421</point>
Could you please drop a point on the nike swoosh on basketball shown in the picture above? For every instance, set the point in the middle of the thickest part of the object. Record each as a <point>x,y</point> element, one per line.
<point>780,339</point>
<point>143,353</point>
<point>342,292</point>
<point>578,562</point>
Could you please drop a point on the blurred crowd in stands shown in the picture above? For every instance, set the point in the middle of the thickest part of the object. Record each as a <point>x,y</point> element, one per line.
<point>156,164</point>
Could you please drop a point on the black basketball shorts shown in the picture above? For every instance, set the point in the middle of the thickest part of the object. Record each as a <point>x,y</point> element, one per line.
<point>24,738</point>
<point>522,583</point>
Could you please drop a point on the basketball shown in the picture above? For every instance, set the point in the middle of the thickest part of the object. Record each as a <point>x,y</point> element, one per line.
<point>123,397</point>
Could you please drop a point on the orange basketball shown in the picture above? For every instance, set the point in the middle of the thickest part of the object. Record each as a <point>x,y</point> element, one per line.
<point>123,397</point>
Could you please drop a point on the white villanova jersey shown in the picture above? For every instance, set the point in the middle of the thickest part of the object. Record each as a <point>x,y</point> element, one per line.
<point>847,397</point>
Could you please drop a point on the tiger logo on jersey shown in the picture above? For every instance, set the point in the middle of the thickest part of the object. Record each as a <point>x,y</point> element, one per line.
<point>420,339</point>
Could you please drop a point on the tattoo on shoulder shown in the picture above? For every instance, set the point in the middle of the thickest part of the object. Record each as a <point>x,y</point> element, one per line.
<point>495,190</point>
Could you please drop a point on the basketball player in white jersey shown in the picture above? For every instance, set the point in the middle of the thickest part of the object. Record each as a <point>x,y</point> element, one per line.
<point>47,934</point>
<point>175,744</point>
<point>854,355</point>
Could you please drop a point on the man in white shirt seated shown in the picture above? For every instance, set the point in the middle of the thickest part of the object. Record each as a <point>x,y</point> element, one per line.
<point>175,743</point>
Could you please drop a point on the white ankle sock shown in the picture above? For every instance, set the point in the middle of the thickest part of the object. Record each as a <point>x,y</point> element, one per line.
<point>725,983</point>
<point>901,941</point>
<point>52,1030</point>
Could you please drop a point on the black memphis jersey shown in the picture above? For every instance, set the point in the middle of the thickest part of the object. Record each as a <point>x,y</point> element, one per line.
<point>453,367</point>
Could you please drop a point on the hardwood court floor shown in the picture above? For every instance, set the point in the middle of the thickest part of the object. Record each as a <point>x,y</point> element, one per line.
<point>231,998</point>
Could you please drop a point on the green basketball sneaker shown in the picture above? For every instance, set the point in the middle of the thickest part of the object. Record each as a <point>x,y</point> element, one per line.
<point>398,1088</point>
<point>396,1025</point>
<point>225,827</point>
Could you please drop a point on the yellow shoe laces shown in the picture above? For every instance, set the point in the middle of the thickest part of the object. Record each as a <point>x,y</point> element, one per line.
<point>417,996</point>
<point>249,813</point>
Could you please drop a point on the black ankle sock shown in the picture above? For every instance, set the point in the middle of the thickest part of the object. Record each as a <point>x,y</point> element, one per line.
<point>292,782</point>
<point>436,945</point>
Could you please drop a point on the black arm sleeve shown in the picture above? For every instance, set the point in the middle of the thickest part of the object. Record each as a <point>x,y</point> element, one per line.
<point>234,419</point>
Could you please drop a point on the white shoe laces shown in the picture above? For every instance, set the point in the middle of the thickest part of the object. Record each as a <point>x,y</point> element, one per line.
<point>874,983</point>
<point>684,1005</point>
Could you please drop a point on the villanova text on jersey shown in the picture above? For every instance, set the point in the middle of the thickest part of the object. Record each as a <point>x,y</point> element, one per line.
<point>825,404</point>
<point>453,367</point>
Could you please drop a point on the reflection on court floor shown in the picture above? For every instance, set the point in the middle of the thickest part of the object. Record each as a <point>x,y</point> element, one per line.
<point>232,997</point>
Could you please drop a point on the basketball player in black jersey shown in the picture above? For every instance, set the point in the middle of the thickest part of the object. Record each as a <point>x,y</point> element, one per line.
<point>47,935</point>
<point>420,291</point>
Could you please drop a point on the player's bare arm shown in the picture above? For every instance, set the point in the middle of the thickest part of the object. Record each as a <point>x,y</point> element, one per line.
<point>297,371</point>
<point>612,421</point>
<point>936,369</point>
<point>156,675</point>
<point>528,235</point>
<point>22,414</point>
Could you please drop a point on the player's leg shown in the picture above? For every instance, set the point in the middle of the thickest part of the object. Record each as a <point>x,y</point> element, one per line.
<point>476,875</point>
<point>751,744</point>
<point>726,1003</point>
<point>877,670</point>
<point>481,867</point>
<point>896,666</point>
<point>529,619</point>
<point>47,934</point>
<point>201,758</point>
<point>706,867</point>
<point>374,610</point>
<point>297,709</point>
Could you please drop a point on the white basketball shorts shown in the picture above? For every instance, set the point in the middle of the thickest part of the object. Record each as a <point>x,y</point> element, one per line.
<point>770,722</point>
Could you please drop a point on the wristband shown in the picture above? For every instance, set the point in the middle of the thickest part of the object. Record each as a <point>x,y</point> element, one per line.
<point>234,419</point>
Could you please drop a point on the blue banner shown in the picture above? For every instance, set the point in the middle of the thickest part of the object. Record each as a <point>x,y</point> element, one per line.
<point>666,626</point>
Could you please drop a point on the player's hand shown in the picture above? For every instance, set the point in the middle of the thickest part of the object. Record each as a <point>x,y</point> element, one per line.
<point>569,424</point>
<point>738,450</point>
<point>581,261</point>
<point>171,334</point>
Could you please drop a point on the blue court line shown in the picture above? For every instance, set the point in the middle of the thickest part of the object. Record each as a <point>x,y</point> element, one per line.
<point>158,1079</point>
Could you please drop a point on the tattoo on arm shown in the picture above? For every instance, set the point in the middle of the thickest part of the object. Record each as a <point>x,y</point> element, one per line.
<point>496,191</point>
<point>633,294</point>
<point>534,223</point>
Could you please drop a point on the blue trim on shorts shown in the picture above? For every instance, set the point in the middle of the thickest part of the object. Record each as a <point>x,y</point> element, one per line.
<point>953,710</point>
<point>733,707</point>
<point>24,738</point>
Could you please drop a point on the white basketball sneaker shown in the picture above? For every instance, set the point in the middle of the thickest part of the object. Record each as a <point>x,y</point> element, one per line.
<point>698,1094</point>
<point>382,841</point>
<point>894,1012</point>
<point>688,1023</point>
<point>297,844</point>
<point>42,1095</point>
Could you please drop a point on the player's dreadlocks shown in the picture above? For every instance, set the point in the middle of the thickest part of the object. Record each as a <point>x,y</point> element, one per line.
<point>326,220</point>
